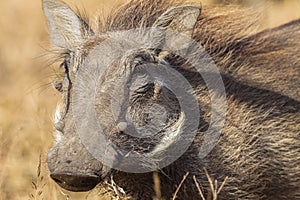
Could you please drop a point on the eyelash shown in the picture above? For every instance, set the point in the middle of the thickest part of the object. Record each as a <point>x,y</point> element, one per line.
<point>65,64</point>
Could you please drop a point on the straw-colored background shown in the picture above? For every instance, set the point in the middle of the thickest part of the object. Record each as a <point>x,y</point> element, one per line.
<point>27,100</point>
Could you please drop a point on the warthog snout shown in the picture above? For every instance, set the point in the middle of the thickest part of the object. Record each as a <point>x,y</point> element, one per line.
<point>73,168</point>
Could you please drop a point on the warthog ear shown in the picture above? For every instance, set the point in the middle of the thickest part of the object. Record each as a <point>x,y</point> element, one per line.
<point>66,28</point>
<point>180,19</point>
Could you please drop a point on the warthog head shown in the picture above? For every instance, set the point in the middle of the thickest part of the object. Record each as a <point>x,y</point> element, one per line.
<point>132,103</point>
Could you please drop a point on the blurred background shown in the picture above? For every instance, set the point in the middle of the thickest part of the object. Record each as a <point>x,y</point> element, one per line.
<point>27,100</point>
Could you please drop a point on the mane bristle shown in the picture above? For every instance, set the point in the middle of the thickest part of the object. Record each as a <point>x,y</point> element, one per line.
<point>136,13</point>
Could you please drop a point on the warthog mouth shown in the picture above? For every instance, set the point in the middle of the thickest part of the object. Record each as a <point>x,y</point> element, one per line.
<point>75,182</point>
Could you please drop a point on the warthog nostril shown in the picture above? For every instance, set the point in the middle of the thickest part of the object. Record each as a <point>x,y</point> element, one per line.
<point>68,161</point>
<point>75,182</point>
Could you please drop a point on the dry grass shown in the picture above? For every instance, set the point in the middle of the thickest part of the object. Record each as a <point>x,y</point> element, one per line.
<point>27,103</point>
<point>215,190</point>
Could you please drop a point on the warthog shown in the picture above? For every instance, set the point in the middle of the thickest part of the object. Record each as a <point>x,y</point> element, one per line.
<point>258,146</point>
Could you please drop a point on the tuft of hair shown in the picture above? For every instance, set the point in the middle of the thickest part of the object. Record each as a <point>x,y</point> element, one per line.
<point>57,117</point>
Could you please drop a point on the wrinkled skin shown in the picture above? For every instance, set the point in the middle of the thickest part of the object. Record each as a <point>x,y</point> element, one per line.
<point>259,146</point>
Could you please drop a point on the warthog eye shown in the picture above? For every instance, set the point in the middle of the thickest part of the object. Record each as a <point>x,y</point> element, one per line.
<point>64,85</point>
<point>58,85</point>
